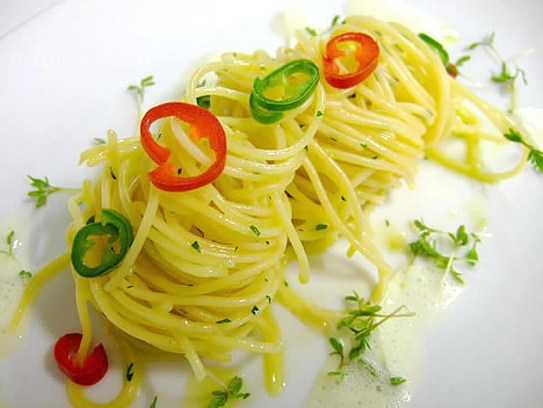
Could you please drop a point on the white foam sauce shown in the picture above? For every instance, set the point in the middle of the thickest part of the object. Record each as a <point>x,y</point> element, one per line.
<point>397,349</point>
<point>12,284</point>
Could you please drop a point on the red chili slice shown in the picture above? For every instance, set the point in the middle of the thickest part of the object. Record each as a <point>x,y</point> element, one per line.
<point>366,54</point>
<point>203,124</point>
<point>92,370</point>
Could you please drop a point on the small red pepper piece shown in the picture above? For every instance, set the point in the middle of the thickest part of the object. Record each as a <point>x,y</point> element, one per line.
<point>366,54</point>
<point>203,124</point>
<point>452,70</point>
<point>92,370</point>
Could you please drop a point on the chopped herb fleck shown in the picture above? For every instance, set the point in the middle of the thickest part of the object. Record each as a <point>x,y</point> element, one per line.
<point>204,101</point>
<point>255,230</point>
<point>129,372</point>
<point>196,246</point>
<point>223,321</point>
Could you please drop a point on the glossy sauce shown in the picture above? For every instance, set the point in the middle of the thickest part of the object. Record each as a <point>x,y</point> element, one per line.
<point>12,284</point>
<point>397,348</point>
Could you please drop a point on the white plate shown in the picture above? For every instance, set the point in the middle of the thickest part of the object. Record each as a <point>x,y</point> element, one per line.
<point>484,353</point>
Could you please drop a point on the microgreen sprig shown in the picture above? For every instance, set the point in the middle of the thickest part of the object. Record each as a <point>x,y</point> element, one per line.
<point>314,33</point>
<point>231,391</point>
<point>507,76</point>
<point>535,156</point>
<point>427,247</point>
<point>140,90</point>
<point>44,189</point>
<point>360,322</point>
<point>98,141</point>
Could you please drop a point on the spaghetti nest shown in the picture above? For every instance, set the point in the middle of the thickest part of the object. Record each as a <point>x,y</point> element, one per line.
<point>206,264</point>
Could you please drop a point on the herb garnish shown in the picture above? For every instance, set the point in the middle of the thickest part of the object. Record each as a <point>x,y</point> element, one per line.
<point>129,372</point>
<point>360,322</point>
<point>397,381</point>
<point>140,90</point>
<point>505,77</point>
<point>43,190</point>
<point>204,101</point>
<point>451,68</point>
<point>10,243</point>
<point>153,404</point>
<point>535,156</point>
<point>427,247</point>
<point>313,32</point>
<point>196,246</point>
<point>232,391</point>
<point>255,230</point>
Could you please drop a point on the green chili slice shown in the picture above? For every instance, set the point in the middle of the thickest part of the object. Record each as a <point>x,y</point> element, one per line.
<point>284,89</point>
<point>116,234</point>
<point>263,115</point>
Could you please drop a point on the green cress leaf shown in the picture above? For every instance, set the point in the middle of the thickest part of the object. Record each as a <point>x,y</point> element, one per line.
<point>358,324</point>
<point>427,247</point>
<point>43,189</point>
<point>513,136</point>
<point>232,391</point>
<point>311,31</point>
<point>535,156</point>
<point>397,380</point>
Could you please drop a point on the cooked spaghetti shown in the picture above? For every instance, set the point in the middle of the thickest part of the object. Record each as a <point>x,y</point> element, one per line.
<point>206,264</point>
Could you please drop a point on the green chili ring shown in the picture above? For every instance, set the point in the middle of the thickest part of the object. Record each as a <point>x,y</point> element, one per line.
<point>263,115</point>
<point>114,224</point>
<point>280,77</point>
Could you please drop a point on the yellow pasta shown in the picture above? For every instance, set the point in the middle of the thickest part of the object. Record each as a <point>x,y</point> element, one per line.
<point>206,264</point>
